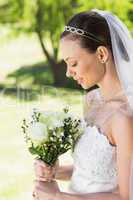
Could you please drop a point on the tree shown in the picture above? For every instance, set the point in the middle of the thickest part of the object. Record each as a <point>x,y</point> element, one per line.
<point>46,19</point>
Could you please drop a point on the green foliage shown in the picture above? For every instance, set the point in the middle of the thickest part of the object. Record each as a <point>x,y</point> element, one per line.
<point>46,19</point>
<point>120,8</point>
<point>49,17</point>
<point>10,10</point>
<point>39,16</point>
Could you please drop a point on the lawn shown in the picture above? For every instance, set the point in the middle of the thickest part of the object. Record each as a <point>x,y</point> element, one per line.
<point>16,168</point>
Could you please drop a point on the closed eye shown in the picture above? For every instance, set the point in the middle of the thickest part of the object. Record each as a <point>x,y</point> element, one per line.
<point>74,65</point>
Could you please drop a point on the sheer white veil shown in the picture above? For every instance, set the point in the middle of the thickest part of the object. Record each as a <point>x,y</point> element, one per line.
<point>122,46</point>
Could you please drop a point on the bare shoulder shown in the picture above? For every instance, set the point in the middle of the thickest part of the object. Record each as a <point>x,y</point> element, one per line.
<point>122,127</point>
<point>122,132</point>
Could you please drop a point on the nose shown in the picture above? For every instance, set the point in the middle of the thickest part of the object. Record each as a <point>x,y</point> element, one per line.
<point>70,72</point>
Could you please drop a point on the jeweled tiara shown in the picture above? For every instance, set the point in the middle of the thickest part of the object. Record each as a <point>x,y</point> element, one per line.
<point>83,33</point>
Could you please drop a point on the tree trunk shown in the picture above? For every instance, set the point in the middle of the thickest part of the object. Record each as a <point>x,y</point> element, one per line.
<point>59,73</point>
<point>58,68</point>
<point>48,57</point>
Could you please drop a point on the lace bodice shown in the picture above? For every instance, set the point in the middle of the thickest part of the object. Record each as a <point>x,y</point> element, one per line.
<point>95,168</point>
<point>94,164</point>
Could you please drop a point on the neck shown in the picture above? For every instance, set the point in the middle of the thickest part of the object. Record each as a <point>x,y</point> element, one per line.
<point>110,85</point>
<point>111,90</point>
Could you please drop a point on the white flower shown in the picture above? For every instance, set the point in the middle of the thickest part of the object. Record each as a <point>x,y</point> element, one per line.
<point>38,132</point>
<point>58,123</point>
<point>51,138</point>
<point>54,133</point>
<point>52,119</point>
<point>62,134</point>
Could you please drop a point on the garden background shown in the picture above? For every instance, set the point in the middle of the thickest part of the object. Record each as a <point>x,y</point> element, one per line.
<point>33,75</point>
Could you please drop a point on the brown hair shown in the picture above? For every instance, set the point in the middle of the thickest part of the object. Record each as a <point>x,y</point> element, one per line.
<point>94,24</point>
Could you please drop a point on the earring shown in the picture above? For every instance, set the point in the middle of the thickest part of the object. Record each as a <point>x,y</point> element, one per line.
<point>102,61</point>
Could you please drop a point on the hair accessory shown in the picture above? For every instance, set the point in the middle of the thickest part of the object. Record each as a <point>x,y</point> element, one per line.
<point>81,32</point>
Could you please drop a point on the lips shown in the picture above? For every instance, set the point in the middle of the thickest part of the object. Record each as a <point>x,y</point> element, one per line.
<point>80,81</point>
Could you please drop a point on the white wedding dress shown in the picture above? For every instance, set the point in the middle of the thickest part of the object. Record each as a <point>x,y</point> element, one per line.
<point>94,164</point>
<point>95,168</point>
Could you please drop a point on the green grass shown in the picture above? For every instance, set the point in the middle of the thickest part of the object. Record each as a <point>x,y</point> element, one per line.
<point>16,168</point>
<point>19,52</point>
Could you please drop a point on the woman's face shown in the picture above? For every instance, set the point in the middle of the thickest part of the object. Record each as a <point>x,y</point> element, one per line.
<point>82,66</point>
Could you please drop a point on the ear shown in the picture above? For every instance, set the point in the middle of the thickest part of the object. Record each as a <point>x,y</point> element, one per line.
<point>102,54</point>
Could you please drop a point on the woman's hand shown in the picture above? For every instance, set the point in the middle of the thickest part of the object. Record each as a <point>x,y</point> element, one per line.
<point>44,172</point>
<point>45,190</point>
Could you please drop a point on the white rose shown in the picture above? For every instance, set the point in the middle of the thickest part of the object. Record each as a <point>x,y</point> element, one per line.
<point>56,123</point>
<point>38,132</point>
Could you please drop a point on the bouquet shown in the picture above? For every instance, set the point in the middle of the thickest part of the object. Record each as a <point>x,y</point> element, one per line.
<point>51,134</point>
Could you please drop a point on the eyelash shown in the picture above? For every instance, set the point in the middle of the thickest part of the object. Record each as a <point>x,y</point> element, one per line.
<point>74,65</point>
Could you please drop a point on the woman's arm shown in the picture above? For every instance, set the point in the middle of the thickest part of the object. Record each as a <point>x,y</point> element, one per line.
<point>96,196</point>
<point>50,190</point>
<point>64,173</point>
<point>122,132</point>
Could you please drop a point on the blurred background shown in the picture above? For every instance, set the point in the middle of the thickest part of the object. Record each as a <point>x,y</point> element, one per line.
<point>32,75</point>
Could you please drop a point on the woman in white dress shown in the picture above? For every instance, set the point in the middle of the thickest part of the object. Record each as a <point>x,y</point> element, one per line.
<point>97,48</point>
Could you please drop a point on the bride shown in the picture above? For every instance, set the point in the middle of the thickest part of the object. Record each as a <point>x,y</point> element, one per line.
<point>98,50</point>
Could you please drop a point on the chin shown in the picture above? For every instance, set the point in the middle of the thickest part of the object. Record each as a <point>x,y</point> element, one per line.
<point>85,86</point>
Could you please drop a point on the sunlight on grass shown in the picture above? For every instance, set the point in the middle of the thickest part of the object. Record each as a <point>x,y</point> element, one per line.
<point>18,52</point>
<point>16,169</point>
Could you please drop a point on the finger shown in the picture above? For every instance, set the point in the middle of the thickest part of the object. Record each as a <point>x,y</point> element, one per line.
<point>45,176</point>
<point>49,180</point>
<point>39,185</point>
<point>38,168</point>
<point>42,172</point>
<point>36,184</point>
<point>41,179</point>
<point>41,163</point>
<point>47,173</point>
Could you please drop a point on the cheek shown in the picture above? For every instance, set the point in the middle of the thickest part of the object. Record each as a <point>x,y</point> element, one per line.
<point>83,69</point>
<point>90,70</point>
<point>91,73</point>
<point>87,70</point>
<point>87,66</point>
